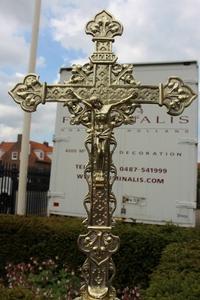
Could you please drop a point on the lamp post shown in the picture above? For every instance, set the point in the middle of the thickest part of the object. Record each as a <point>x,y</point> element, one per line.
<point>101,95</point>
<point>24,156</point>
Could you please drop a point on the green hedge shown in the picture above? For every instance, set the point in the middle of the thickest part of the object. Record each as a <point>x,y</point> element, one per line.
<point>140,248</point>
<point>178,275</point>
<point>25,237</point>
<point>16,293</point>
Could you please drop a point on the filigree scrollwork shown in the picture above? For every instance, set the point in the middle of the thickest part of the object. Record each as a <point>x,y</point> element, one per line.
<point>113,144</point>
<point>80,113</point>
<point>82,74</point>
<point>113,174</point>
<point>104,26</point>
<point>123,114</point>
<point>112,272</point>
<point>29,93</point>
<point>122,74</point>
<point>87,176</point>
<point>176,95</point>
<point>99,245</point>
<point>112,178</point>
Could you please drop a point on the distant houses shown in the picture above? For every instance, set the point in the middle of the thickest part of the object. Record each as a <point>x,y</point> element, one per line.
<point>40,154</point>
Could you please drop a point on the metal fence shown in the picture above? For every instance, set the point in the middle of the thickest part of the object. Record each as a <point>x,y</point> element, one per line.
<point>37,188</point>
<point>37,203</point>
<point>8,188</point>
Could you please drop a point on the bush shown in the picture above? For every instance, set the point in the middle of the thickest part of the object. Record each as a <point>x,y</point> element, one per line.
<point>16,293</point>
<point>178,275</point>
<point>43,280</point>
<point>140,249</point>
<point>139,253</point>
<point>25,237</point>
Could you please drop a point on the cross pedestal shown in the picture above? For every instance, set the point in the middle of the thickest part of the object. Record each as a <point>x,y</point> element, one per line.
<point>101,95</point>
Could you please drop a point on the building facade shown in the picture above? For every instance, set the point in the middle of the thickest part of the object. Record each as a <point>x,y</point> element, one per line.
<point>39,154</point>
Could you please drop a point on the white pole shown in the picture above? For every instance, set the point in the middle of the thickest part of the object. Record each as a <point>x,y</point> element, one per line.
<point>24,157</point>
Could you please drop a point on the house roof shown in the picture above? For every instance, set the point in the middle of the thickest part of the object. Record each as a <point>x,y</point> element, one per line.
<point>43,147</point>
<point>6,146</point>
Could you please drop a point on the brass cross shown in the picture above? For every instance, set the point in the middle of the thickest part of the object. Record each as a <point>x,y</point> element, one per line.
<point>101,95</point>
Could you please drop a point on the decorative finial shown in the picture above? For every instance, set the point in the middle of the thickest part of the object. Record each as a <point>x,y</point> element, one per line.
<point>104,26</point>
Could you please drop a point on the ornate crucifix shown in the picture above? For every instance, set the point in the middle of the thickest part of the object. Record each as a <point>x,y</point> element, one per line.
<point>101,95</point>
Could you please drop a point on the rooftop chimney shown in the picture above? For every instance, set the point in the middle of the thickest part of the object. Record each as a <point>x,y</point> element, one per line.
<point>46,144</point>
<point>19,138</point>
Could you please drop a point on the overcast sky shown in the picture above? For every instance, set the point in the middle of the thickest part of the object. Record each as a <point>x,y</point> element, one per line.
<point>154,31</point>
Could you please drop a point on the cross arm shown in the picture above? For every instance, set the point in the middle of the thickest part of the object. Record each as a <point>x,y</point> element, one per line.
<point>32,92</point>
<point>175,95</point>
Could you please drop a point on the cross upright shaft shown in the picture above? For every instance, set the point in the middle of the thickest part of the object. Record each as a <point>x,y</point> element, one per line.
<point>101,95</point>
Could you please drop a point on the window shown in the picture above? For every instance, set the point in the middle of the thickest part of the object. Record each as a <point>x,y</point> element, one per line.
<point>39,154</point>
<point>14,155</point>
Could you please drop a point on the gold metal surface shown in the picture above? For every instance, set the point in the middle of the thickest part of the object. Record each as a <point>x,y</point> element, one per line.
<point>101,95</point>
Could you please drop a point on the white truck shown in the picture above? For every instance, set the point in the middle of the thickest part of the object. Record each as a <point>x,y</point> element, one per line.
<point>156,157</point>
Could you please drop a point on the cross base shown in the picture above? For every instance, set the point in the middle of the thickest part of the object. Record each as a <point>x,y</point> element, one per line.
<point>86,296</point>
